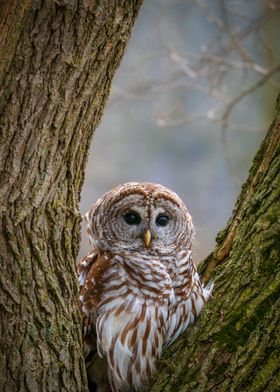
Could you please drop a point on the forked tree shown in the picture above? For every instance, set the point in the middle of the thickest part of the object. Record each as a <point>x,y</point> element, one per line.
<point>57,62</point>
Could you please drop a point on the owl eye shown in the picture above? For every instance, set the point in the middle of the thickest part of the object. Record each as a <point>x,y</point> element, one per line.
<point>132,218</point>
<point>162,220</point>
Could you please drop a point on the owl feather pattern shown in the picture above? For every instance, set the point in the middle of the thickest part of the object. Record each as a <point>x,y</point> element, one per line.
<point>139,289</point>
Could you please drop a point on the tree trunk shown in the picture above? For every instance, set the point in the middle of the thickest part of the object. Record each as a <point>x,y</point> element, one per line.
<point>235,345</point>
<point>57,62</point>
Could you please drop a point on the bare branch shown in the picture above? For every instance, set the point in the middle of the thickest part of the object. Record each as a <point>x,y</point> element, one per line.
<point>246,92</point>
<point>237,43</point>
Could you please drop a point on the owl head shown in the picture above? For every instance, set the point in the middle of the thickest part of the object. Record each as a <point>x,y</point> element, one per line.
<point>140,217</point>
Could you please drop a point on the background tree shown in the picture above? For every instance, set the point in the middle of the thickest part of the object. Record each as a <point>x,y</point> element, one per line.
<point>56,66</point>
<point>194,95</point>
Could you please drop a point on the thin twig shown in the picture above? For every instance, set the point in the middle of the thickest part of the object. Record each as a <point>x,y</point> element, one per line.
<point>230,107</point>
<point>246,92</point>
<point>237,43</point>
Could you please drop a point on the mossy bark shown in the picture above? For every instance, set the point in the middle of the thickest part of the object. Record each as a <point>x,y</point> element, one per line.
<point>57,62</point>
<point>235,344</point>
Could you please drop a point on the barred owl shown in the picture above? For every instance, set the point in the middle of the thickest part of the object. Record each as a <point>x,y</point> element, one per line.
<point>139,289</point>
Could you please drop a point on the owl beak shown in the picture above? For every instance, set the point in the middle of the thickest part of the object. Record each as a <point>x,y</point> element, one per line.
<point>147,237</point>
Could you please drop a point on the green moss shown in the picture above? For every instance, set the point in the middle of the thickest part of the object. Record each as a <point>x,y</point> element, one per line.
<point>221,235</point>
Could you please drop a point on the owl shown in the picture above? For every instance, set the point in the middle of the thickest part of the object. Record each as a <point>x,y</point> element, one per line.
<point>139,289</point>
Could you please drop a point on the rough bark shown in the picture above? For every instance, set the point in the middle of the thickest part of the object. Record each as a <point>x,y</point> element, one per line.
<point>235,345</point>
<point>57,61</point>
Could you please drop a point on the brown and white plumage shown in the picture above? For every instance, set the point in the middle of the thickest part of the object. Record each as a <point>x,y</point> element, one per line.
<point>139,287</point>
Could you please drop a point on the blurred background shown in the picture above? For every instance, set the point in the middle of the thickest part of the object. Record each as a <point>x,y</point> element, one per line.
<point>190,105</point>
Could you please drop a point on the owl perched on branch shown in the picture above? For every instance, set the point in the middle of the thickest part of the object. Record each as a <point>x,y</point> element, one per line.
<point>139,289</point>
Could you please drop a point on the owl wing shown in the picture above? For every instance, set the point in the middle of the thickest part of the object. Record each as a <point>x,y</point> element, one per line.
<point>190,296</point>
<point>90,270</point>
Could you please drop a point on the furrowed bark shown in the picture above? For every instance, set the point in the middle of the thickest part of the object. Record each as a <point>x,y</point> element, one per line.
<point>57,62</point>
<point>235,344</point>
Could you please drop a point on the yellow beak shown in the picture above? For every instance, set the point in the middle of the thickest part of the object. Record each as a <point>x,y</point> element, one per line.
<point>147,237</point>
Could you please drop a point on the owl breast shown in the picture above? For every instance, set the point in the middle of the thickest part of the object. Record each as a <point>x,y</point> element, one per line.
<point>132,317</point>
<point>141,305</point>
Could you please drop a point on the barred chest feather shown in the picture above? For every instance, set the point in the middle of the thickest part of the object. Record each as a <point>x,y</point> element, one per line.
<point>138,305</point>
